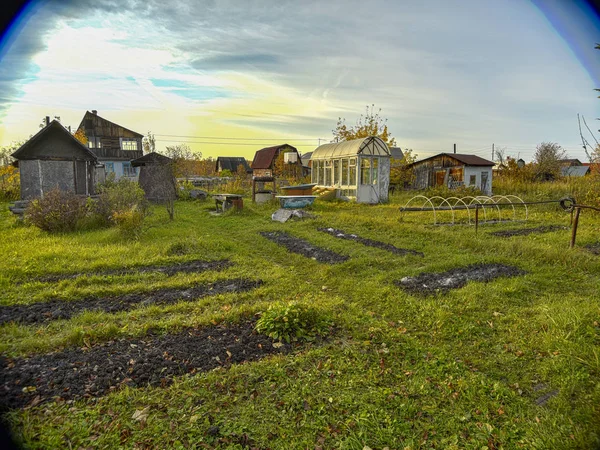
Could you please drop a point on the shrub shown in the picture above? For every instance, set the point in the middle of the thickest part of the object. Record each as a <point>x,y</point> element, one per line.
<point>120,197</point>
<point>129,222</point>
<point>292,322</point>
<point>10,188</point>
<point>58,211</point>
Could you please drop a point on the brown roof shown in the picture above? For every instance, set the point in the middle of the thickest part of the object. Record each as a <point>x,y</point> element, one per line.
<point>151,159</point>
<point>263,159</point>
<point>468,160</point>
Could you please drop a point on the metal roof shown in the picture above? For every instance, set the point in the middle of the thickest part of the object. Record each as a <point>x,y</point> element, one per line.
<point>468,160</point>
<point>371,145</point>
<point>151,159</point>
<point>232,163</point>
<point>396,153</point>
<point>52,127</point>
<point>263,159</point>
<point>574,171</point>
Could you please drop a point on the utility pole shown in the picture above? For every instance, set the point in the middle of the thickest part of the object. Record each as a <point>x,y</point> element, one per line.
<point>454,148</point>
<point>492,152</point>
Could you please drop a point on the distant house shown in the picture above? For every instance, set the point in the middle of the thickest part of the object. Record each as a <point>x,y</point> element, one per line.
<point>52,159</point>
<point>114,145</point>
<point>264,160</point>
<point>306,163</point>
<point>396,153</point>
<point>569,162</point>
<point>231,163</point>
<point>453,170</point>
<point>574,171</point>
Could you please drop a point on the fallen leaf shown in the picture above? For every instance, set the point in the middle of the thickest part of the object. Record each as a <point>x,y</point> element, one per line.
<point>277,344</point>
<point>140,415</point>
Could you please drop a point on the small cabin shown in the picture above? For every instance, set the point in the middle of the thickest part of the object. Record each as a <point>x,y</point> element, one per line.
<point>54,159</point>
<point>453,170</point>
<point>264,161</point>
<point>231,163</point>
<point>358,169</point>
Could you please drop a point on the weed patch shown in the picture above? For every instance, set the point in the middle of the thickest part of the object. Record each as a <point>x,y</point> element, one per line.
<point>150,361</point>
<point>56,309</point>
<point>370,242</point>
<point>304,248</point>
<point>431,283</point>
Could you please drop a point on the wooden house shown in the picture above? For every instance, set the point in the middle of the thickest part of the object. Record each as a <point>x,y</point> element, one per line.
<point>52,159</point>
<point>453,170</point>
<point>231,163</point>
<point>263,164</point>
<point>114,145</point>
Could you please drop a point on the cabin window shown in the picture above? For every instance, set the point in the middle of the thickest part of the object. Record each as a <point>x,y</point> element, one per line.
<point>344,172</point>
<point>472,180</point>
<point>365,171</point>
<point>94,142</point>
<point>336,172</point>
<point>129,144</point>
<point>109,167</point>
<point>352,172</point>
<point>128,170</point>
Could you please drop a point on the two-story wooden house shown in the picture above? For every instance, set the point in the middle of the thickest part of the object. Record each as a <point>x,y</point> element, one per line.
<point>114,145</point>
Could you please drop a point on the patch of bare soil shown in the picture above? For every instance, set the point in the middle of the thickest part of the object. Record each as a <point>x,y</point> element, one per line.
<point>431,283</point>
<point>195,266</point>
<point>304,248</point>
<point>151,360</point>
<point>62,309</point>
<point>594,248</point>
<point>526,231</point>
<point>370,242</point>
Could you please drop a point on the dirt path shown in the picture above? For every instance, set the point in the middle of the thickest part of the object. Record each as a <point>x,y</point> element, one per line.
<point>430,283</point>
<point>152,360</point>
<point>304,248</point>
<point>195,266</point>
<point>62,309</point>
<point>526,231</point>
<point>370,242</point>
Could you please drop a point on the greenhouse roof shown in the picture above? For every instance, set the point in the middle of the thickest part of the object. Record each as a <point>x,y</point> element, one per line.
<point>371,145</point>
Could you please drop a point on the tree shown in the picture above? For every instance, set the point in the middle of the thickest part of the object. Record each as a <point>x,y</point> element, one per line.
<point>241,172</point>
<point>184,159</point>
<point>547,160</point>
<point>291,171</point>
<point>81,137</point>
<point>368,124</point>
<point>400,174</point>
<point>148,143</point>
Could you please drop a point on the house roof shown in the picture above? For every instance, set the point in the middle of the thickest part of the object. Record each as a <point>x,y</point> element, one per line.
<point>396,153</point>
<point>574,171</point>
<point>371,145</point>
<point>92,115</point>
<point>468,160</point>
<point>151,159</point>
<point>570,161</point>
<point>263,159</point>
<point>232,163</point>
<point>305,157</point>
<point>52,127</point>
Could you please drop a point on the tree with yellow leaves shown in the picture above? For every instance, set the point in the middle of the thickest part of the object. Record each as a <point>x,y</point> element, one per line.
<point>368,124</point>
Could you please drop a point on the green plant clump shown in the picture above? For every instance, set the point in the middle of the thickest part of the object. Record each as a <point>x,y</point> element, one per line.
<point>58,211</point>
<point>292,322</point>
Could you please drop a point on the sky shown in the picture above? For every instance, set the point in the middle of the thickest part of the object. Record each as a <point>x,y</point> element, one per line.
<point>229,77</point>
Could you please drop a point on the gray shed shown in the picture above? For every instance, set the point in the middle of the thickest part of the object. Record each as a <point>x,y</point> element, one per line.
<point>53,158</point>
<point>156,177</point>
<point>358,169</point>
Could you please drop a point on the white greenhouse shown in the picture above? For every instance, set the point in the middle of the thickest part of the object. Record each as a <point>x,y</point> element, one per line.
<point>357,169</point>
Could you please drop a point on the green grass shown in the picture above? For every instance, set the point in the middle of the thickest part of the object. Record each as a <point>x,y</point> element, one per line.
<point>453,371</point>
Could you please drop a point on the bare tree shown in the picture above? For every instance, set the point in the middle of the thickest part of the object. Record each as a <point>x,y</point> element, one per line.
<point>547,159</point>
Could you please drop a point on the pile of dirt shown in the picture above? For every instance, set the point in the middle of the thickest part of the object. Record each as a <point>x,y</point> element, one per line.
<point>152,360</point>
<point>430,283</point>
<point>56,309</point>
<point>594,248</point>
<point>370,242</point>
<point>526,231</point>
<point>195,266</point>
<point>304,248</point>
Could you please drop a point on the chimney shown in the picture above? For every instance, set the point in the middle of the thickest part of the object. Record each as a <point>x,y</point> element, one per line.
<point>47,120</point>
<point>94,112</point>
<point>454,148</point>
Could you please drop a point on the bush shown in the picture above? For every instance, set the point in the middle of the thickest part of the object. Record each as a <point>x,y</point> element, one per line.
<point>129,222</point>
<point>58,211</point>
<point>120,197</point>
<point>292,322</point>
<point>10,187</point>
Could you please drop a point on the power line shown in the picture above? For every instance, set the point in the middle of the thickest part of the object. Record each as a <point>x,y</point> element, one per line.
<point>226,143</point>
<point>239,138</point>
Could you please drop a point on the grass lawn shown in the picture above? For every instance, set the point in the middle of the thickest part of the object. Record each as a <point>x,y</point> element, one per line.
<point>513,363</point>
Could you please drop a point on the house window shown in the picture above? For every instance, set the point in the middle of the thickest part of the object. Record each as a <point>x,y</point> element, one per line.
<point>472,180</point>
<point>109,167</point>
<point>129,144</point>
<point>94,142</point>
<point>365,171</point>
<point>129,171</point>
